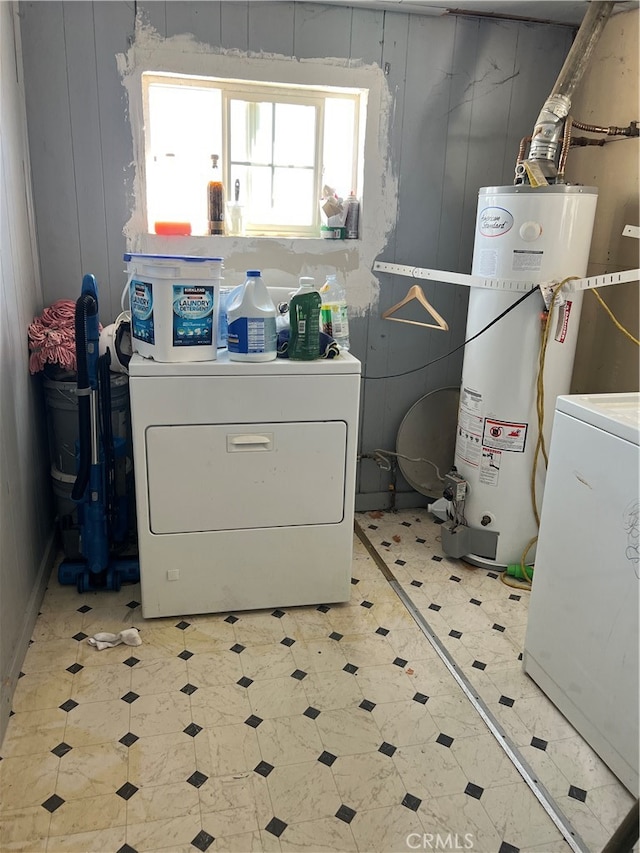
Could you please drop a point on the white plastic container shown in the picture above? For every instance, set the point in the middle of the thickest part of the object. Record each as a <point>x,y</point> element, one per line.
<point>174,306</point>
<point>251,315</point>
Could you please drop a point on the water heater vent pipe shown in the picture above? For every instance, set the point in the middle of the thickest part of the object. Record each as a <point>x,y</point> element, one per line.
<point>548,131</point>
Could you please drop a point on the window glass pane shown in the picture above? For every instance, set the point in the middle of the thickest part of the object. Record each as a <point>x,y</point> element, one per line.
<point>251,127</point>
<point>258,194</point>
<point>294,200</point>
<point>295,136</point>
<point>185,130</point>
<point>185,119</point>
<point>339,122</point>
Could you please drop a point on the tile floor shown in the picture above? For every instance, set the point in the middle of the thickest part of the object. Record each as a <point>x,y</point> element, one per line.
<point>334,727</point>
<point>481,622</point>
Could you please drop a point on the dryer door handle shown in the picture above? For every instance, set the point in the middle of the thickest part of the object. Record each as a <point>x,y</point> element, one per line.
<point>249,441</point>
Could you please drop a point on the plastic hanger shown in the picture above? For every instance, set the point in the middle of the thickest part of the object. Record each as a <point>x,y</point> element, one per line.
<point>416,292</point>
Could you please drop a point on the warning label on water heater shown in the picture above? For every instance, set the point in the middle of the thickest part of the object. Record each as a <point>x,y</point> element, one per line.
<point>504,435</point>
<point>524,259</point>
<point>490,466</point>
<point>469,435</point>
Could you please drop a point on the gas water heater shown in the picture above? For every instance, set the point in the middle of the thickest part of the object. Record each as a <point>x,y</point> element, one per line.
<point>523,234</point>
<point>530,239</point>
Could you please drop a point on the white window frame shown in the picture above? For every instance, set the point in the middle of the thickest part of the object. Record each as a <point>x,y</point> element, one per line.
<point>258,91</point>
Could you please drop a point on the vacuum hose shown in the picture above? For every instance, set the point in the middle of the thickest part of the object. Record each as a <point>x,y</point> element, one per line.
<point>86,306</point>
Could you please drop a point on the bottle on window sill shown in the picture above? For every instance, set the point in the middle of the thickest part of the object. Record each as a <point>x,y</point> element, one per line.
<point>215,191</point>
<point>353,215</point>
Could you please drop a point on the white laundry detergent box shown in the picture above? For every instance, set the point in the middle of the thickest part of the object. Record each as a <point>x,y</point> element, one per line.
<point>174,304</point>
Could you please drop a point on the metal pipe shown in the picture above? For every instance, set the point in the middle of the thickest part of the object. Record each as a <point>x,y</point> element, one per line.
<point>547,132</point>
<point>578,57</point>
<point>611,130</point>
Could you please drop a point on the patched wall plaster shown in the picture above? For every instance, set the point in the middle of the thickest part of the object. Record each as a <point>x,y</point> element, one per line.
<point>282,261</point>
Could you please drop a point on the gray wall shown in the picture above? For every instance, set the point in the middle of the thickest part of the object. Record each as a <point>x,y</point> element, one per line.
<point>465,91</point>
<point>26,519</point>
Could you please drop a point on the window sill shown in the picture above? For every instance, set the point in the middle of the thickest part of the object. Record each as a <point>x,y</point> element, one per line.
<point>208,237</point>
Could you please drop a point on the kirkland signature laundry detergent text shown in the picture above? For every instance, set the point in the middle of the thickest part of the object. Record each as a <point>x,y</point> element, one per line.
<point>141,300</point>
<point>192,315</point>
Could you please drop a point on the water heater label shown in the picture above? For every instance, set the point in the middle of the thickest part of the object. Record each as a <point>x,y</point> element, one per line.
<point>494,221</point>
<point>504,435</point>
<point>523,259</point>
<point>469,435</point>
<point>487,262</point>
<point>141,301</point>
<point>490,466</point>
<point>192,315</point>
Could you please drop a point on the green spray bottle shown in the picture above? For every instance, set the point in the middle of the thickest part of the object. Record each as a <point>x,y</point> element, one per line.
<point>304,319</point>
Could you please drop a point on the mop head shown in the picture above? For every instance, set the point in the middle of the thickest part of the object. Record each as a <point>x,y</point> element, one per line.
<point>103,640</point>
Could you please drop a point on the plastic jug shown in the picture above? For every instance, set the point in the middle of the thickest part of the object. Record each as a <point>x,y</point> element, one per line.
<point>335,321</point>
<point>251,316</point>
<point>304,319</point>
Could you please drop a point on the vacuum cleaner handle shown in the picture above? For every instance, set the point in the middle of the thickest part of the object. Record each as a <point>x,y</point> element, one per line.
<point>87,338</point>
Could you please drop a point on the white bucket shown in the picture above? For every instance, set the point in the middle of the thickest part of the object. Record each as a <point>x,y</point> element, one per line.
<point>174,306</point>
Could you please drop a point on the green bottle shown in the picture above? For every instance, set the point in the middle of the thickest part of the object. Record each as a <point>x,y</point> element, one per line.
<point>304,319</point>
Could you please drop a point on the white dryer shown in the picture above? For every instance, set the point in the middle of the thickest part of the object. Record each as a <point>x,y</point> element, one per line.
<point>245,482</point>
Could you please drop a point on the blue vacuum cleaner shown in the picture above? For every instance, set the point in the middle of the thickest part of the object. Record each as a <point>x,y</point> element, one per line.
<point>100,486</point>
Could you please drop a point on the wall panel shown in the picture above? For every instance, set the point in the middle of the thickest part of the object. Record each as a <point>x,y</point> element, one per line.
<point>26,518</point>
<point>271,27</point>
<point>203,20</point>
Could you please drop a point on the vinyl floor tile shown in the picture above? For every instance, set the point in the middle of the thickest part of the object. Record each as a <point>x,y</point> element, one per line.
<point>30,732</point>
<point>386,829</point>
<point>82,842</point>
<point>303,792</point>
<point>88,814</point>
<point>274,697</point>
<point>27,826</point>
<point>369,780</point>
<point>97,722</point>
<point>327,835</point>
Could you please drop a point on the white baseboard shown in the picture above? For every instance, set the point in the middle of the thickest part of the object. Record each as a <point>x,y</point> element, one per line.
<point>8,685</point>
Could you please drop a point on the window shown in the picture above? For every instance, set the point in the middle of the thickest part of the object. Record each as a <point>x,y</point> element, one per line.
<point>277,147</point>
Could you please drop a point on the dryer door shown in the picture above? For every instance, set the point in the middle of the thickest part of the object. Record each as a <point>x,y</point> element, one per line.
<point>245,476</point>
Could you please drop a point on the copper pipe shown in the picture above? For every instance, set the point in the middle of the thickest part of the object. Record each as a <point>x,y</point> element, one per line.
<point>566,144</point>
<point>523,147</point>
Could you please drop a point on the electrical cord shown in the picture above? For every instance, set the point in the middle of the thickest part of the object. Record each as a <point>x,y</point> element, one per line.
<point>540,443</point>
<point>615,322</point>
<point>540,447</point>
<point>462,345</point>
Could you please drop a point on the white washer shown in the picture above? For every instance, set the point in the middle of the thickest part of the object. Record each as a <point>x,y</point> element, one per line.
<point>245,482</point>
<point>581,645</point>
